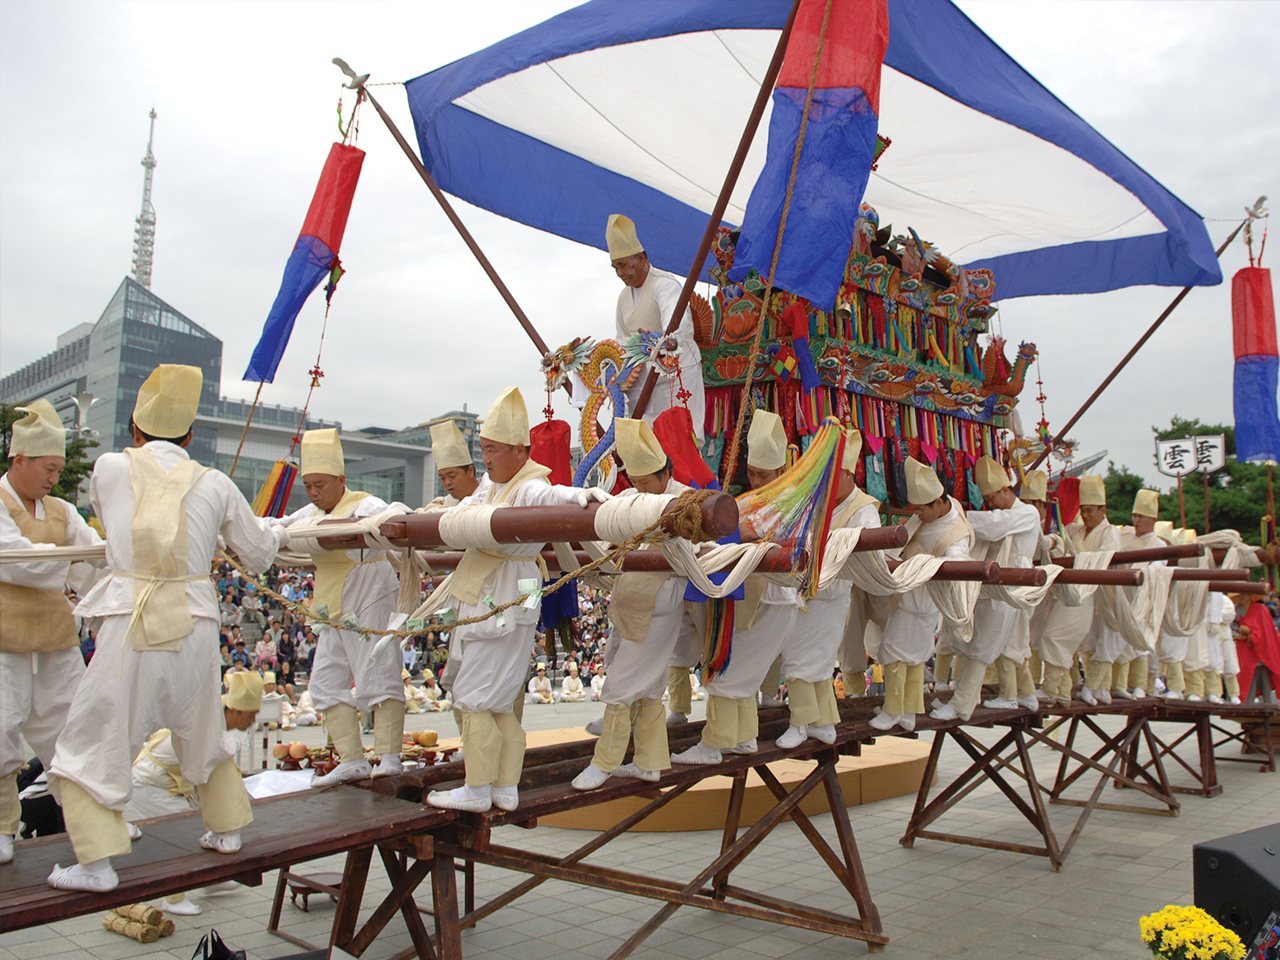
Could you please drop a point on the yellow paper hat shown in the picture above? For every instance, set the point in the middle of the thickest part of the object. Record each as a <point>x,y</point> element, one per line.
<point>1147,503</point>
<point>322,453</point>
<point>1188,535</point>
<point>449,446</point>
<point>1164,530</point>
<point>1093,492</point>
<point>405,675</point>
<point>923,485</point>
<point>990,476</point>
<point>852,449</point>
<point>244,691</point>
<point>268,676</point>
<point>1035,486</point>
<point>620,236</point>
<point>40,433</point>
<point>639,449</point>
<point>507,420</point>
<point>168,400</point>
<point>766,442</point>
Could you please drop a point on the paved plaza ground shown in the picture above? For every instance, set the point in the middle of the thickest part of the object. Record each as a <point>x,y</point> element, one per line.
<point>937,900</point>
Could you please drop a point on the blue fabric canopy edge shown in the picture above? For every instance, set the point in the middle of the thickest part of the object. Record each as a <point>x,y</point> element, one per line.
<point>929,40</point>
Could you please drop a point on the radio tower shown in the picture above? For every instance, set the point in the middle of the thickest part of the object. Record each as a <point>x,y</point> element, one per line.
<point>144,236</point>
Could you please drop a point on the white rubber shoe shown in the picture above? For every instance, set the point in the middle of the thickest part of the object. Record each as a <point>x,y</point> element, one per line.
<point>347,770</point>
<point>186,907</point>
<point>1172,694</point>
<point>1139,693</point>
<point>886,721</point>
<point>793,737</point>
<point>1195,698</point>
<point>1214,698</point>
<point>6,848</point>
<point>630,771</point>
<point>135,833</point>
<point>389,766</point>
<point>944,711</point>
<point>590,779</point>
<point>698,753</point>
<point>746,746</point>
<point>825,734</point>
<point>1103,696</point>
<point>221,842</point>
<point>596,726</point>
<point>1086,696</point>
<point>505,798</point>
<point>97,877</point>
<point>1122,694</point>
<point>1235,701</point>
<point>1045,697</point>
<point>1029,703</point>
<point>479,800</point>
<point>1000,703</point>
<point>673,720</point>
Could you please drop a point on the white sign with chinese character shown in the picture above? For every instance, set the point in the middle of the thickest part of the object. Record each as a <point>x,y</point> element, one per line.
<point>1177,458</point>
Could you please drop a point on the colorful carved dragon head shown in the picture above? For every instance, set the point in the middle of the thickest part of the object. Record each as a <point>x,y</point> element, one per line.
<point>572,356</point>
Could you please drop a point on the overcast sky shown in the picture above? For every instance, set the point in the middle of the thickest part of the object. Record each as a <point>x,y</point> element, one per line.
<point>246,99</point>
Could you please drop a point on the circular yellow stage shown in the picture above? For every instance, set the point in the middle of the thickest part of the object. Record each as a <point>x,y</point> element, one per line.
<point>891,767</point>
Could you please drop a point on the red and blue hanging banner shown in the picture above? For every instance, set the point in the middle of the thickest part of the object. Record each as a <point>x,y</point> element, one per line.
<point>314,257</point>
<point>1253,319</point>
<point>836,147</point>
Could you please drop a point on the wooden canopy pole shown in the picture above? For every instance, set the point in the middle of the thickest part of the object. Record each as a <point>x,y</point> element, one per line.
<point>1185,574</point>
<point>1127,357</point>
<point>722,201</point>
<point>458,225</point>
<point>638,561</point>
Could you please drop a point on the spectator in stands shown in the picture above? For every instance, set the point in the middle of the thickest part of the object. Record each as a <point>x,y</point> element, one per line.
<point>284,680</point>
<point>571,689</point>
<point>597,679</point>
<point>540,686</point>
<point>264,653</point>
<point>240,656</point>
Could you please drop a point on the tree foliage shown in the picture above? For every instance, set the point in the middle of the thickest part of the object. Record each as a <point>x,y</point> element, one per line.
<point>78,465</point>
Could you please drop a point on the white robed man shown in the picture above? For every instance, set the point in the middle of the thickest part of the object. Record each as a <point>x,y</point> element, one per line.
<point>809,656</point>
<point>359,584</point>
<point>1107,647</point>
<point>159,788</point>
<point>40,660</point>
<point>648,615</point>
<point>646,305</point>
<point>940,528</point>
<point>1001,632</point>
<point>156,663</point>
<point>1034,490</point>
<point>1065,628</point>
<point>762,622</point>
<point>495,650</point>
<point>571,689</point>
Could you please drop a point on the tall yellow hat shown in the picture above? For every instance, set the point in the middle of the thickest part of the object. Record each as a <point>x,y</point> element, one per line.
<point>852,449</point>
<point>244,692</point>
<point>449,446</point>
<point>620,236</point>
<point>990,476</point>
<point>766,442</point>
<point>1164,530</point>
<point>1035,486</point>
<point>40,433</point>
<point>639,449</point>
<point>923,485</point>
<point>322,453</point>
<point>168,400</point>
<point>507,420</point>
<point>1147,503</point>
<point>1093,492</point>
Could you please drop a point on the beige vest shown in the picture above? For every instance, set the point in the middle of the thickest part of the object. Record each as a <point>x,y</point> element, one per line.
<point>332,566</point>
<point>960,528</point>
<point>860,499</point>
<point>476,565</point>
<point>643,315</point>
<point>30,619</point>
<point>161,617</point>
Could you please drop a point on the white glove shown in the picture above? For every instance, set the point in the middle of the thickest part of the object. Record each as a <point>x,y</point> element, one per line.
<point>589,494</point>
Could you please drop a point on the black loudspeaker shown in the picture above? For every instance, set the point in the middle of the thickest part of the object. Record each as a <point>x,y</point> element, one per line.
<point>1237,879</point>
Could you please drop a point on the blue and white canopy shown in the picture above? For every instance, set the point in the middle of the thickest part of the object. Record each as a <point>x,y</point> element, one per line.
<point>637,108</point>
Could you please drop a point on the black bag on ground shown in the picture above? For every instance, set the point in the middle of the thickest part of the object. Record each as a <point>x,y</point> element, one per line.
<point>212,947</point>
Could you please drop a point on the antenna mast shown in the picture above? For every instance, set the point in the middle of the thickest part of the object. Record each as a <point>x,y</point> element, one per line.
<point>144,236</point>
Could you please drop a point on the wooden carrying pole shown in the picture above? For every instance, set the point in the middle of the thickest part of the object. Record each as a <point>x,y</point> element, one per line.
<point>1127,357</point>
<point>1239,586</point>
<point>638,561</point>
<point>1198,574</point>
<point>722,201</point>
<point>1180,552</point>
